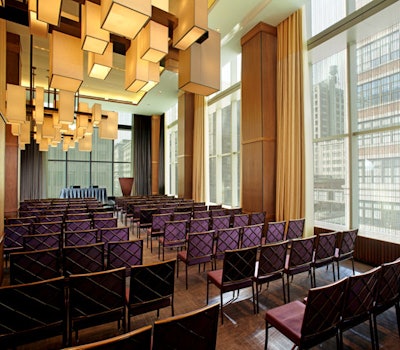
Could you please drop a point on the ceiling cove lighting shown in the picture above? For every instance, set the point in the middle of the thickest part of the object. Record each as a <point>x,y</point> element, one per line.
<point>49,11</point>
<point>125,17</point>
<point>94,38</point>
<point>192,21</point>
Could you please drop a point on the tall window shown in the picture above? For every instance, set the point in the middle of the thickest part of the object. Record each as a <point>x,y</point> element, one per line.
<point>108,160</point>
<point>171,147</point>
<point>356,124</point>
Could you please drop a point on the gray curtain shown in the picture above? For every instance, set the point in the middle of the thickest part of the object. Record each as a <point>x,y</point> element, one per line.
<point>33,173</point>
<point>142,154</point>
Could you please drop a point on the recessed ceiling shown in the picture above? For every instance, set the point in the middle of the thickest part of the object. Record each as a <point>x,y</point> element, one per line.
<point>232,18</point>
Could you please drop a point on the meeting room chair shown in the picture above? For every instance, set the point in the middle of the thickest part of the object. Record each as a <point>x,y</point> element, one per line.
<point>83,259</point>
<point>225,239</point>
<point>240,220</point>
<point>157,227</point>
<point>174,236</point>
<point>251,236</point>
<point>124,254</point>
<point>199,224</point>
<point>31,312</point>
<point>151,288</point>
<point>237,273</point>
<point>257,218</point>
<point>324,252</point>
<point>270,267</point>
<point>42,241</point>
<point>47,227</point>
<point>96,298</point>
<point>345,245</point>
<point>311,323</point>
<point>80,237</point>
<point>199,251</point>
<point>295,228</point>
<point>113,234</point>
<point>359,301</point>
<point>387,294</point>
<point>299,259</point>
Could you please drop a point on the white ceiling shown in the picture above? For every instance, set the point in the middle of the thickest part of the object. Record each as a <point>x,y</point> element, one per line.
<point>232,18</point>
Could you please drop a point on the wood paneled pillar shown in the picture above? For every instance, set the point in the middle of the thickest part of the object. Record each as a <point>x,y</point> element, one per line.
<point>185,144</point>
<point>155,152</point>
<point>259,120</point>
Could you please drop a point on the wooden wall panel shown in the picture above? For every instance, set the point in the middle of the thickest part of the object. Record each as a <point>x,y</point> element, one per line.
<point>375,252</point>
<point>155,152</point>
<point>11,174</point>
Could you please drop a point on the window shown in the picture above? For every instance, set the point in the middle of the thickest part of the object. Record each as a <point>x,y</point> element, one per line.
<point>356,110</point>
<point>171,147</point>
<point>108,160</point>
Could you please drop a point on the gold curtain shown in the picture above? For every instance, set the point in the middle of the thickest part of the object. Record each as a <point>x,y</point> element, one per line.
<point>198,179</point>
<point>290,184</point>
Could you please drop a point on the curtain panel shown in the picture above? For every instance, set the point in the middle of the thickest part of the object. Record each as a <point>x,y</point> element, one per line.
<point>290,189</point>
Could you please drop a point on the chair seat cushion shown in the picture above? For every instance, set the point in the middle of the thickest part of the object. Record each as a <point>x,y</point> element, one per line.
<point>215,277</point>
<point>288,319</point>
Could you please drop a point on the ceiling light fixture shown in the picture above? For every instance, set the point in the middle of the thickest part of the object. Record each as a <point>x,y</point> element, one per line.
<point>49,11</point>
<point>100,65</point>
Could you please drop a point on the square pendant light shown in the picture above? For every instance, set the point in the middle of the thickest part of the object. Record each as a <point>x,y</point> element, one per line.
<point>39,105</point>
<point>192,21</point>
<point>199,66</point>
<point>94,38</point>
<point>37,27</point>
<point>108,128</point>
<point>153,42</point>
<point>100,65</point>
<point>49,11</point>
<point>16,104</point>
<point>67,107</point>
<point>66,62</point>
<point>85,143</point>
<point>136,69</point>
<point>125,17</point>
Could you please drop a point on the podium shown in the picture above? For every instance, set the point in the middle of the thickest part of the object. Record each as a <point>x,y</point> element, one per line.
<point>126,184</point>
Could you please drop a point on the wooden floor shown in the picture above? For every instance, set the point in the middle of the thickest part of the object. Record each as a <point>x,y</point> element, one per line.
<point>242,329</point>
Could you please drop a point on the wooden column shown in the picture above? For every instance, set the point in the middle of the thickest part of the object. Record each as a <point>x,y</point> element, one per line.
<point>155,152</point>
<point>185,144</point>
<point>259,120</point>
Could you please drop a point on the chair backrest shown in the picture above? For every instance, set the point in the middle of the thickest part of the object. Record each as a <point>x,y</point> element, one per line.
<point>359,297</point>
<point>257,218</point>
<point>113,234</point>
<point>76,225</point>
<point>301,252</point>
<point>151,286</point>
<point>159,220</point>
<point>220,222</point>
<point>346,242</point>
<point>20,220</point>
<point>240,220</point>
<point>51,217</point>
<point>33,266</point>
<point>200,224</point>
<point>239,265</point>
<point>175,231</point>
<point>322,314</point>
<point>325,244</point>
<point>31,311</point>
<point>77,214</point>
<point>275,231</point>
<point>272,258</point>
<point>214,206</point>
<point>81,237</point>
<point>146,215</point>
<point>251,236</point>
<point>102,214</point>
<point>197,214</point>
<point>218,212</point>
<point>388,288</point>
<point>13,234</point>
<point>83,259</point>
<point>47,227</point>
<point>196,330</point>
<point>42,241</point>
<point>105,222</point>
<point>227,239</point>
<point>138,339</point>
<point>200,246</point>
<point>124,254</point>
<point>182,215</point>
<point>295,228</point>
<point>96,298</point>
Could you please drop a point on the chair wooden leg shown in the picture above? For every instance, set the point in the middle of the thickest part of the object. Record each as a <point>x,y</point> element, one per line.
<point>283,288</point>
<point>186,271</point>
<point>222,308</point>
<point>333,271</point>
<point>338,270</point>
<point>397,307</point>
<point>376,331</point>
<point>288,289</point>
<point>266,336</point>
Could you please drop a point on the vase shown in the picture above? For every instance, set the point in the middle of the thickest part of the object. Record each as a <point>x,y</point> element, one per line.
<point>126,184</point>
